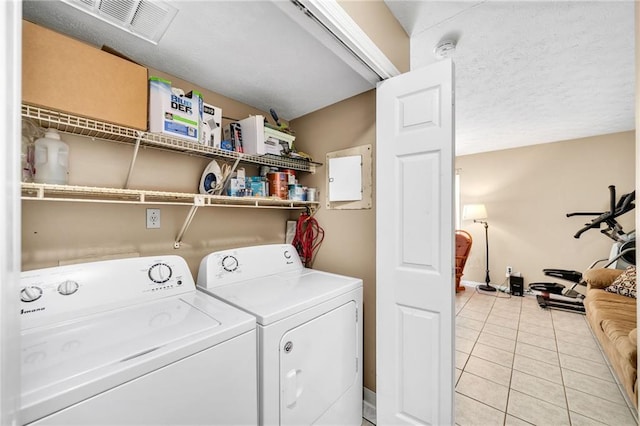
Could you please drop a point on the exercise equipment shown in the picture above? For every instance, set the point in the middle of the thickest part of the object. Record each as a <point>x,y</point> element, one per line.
<point>554,295</point>
<point>613,229</point>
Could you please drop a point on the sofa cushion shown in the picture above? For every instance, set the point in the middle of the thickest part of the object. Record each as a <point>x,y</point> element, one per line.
<point>610,303</point>
<point>625,283</point>
<point>617,331</point>
<point>600,278</point>
<point>612,318</point>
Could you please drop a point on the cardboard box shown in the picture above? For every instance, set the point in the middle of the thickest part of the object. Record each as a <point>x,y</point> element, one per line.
<point>70,76</point>
<point>211,129</point>
<point>173,113</point>
<point>259,140</point>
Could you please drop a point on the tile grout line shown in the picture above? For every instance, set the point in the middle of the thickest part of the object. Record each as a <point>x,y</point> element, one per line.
<point>564,386</point>
<point>484,322</point>
<point>513,362</point>
<point>555,319</point>
<point>607,363</point>
<point>504,417</point>
<point>562,374</point>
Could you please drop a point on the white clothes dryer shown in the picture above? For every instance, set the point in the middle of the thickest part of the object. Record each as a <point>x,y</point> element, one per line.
<point>131,342</point>
<point>309,332</point>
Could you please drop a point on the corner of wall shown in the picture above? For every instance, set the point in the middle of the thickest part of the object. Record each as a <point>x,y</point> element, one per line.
<point>377,21</point>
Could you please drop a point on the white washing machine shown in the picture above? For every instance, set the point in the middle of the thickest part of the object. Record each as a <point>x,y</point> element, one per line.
<point>131,341</point>
<point>309,332</point>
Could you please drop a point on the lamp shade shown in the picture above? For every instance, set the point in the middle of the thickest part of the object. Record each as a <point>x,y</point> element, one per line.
<point>474,212</point>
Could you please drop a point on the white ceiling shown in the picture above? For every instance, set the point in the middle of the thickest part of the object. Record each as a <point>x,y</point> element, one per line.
<point>530,72</point>
<point>526,72</point>
<point>251,51</point>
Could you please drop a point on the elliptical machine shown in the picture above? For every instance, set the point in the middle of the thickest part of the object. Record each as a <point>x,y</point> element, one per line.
<point>622,254</point>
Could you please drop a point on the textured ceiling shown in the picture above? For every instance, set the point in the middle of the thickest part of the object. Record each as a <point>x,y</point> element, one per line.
<point>526,72</point>
<point>530,72</point>
<point>251,51</point>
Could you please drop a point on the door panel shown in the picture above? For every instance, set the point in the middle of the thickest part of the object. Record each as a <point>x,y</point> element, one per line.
<point>414,253</point>
<point>415,229</point>
<point>418,358</point>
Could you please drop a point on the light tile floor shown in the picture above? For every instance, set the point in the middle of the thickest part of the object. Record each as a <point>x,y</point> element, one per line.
<point>517,364</point>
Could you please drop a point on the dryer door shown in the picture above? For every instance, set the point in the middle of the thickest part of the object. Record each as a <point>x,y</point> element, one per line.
<point>318,364</point>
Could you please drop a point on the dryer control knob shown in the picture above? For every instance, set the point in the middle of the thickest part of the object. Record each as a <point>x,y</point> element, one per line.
<point>30,294</point>
<point>68,287</point>
<point>230,263</point>
<point>160,273</point>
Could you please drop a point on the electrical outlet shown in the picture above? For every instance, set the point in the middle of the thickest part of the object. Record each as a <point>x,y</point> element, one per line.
<point>509,271</point>
<point>153,218</point>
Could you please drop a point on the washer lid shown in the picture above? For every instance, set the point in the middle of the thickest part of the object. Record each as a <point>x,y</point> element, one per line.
<point>70,361</point>
<point>278,296</point>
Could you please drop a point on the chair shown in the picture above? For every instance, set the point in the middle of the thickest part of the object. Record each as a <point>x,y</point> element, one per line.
<point>463,248</point>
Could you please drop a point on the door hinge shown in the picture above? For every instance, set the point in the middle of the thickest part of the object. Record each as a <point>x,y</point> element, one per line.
<point>356,365</point>
<point>356,314</point>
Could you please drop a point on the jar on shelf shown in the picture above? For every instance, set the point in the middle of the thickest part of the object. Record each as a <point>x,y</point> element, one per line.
<point>51,159</point>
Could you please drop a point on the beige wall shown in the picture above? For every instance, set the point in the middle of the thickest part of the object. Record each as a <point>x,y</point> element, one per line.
<point>349,243</point>
<point>377,21</point>
<point>54,232</point>
<point>528,191</point>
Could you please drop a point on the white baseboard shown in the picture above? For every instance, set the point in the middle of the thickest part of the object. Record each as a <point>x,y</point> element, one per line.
<point>369,405</point>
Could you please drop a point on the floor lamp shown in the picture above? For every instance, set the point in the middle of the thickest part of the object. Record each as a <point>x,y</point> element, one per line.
<point>478,212</point>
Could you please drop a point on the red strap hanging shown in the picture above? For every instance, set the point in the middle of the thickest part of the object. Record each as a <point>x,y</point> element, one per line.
<point>309,236</point>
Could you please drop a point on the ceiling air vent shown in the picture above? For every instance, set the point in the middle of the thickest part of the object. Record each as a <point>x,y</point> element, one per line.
<point>147,19</point>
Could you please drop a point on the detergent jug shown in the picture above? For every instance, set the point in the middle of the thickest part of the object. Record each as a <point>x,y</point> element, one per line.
<point>51,159</point>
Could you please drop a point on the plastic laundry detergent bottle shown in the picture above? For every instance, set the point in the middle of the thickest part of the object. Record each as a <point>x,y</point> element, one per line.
<point>51,159</point>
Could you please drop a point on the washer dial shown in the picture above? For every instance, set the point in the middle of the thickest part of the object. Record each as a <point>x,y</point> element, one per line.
<point>68,287</point>
<point>229,263</point>
<point>30,293</point>
<point>160,273</point>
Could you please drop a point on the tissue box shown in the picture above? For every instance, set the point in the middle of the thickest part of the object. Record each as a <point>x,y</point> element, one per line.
<point>211,125</point>
<point>236,187</point>
<point>173,113</point>
<point>258,186</point>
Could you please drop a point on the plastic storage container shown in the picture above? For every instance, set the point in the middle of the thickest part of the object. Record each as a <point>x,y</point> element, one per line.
<point>51,159</point>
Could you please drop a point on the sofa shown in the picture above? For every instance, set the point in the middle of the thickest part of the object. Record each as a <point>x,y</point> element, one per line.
<point>612,317</point>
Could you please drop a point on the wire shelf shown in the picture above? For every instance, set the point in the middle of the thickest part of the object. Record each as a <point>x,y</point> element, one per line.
<point>100,130</point>
<point>49,192</point>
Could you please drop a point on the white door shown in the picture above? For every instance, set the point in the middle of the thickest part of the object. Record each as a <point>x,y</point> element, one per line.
<point>10,93</point>
<point>414,255</point>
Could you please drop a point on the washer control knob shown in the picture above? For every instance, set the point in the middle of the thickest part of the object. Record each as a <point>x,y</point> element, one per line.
<point>30,294</point>
<point>160,273</point>
<point>287,254</point>
<point>229,263</point>
<point>68,287</point>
